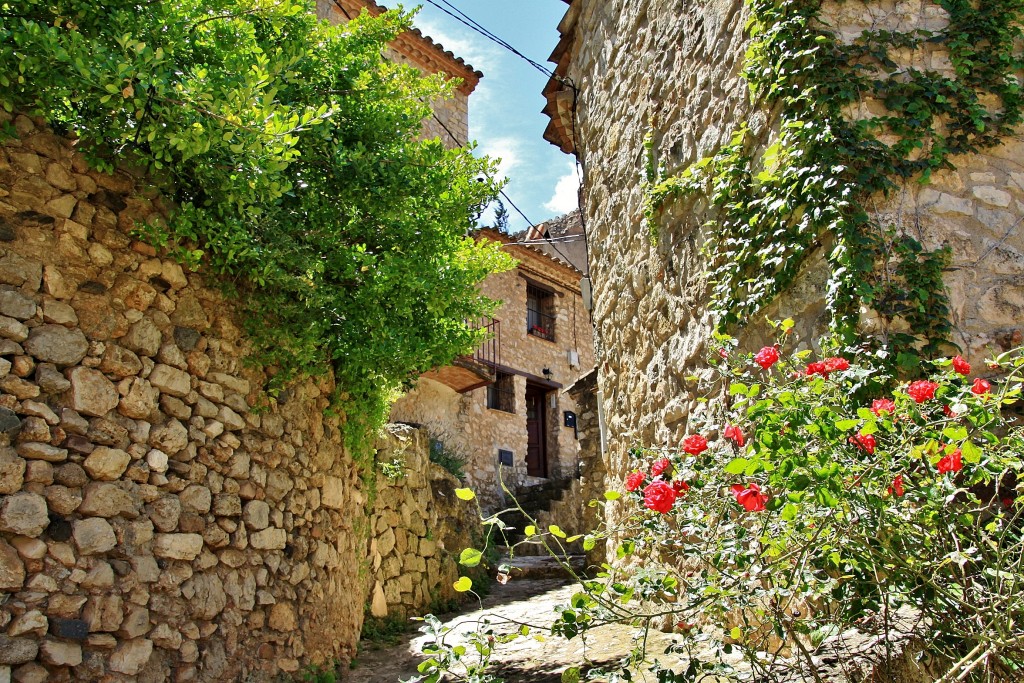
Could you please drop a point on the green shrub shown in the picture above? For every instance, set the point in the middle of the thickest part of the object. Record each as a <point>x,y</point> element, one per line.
<point>448,458</point>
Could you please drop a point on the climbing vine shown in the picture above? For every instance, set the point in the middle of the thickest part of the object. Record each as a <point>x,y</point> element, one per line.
<point>291,151</point>
<point>775,203</point>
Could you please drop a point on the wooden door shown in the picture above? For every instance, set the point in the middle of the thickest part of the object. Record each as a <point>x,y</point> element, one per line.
<point>536,443</point>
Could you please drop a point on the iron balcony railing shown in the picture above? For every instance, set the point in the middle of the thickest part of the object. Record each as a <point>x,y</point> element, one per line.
<point>489,352</point>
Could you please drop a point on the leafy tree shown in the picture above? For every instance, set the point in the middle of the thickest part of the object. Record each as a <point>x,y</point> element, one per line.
<point>290,149</point>
<point>501,217</point>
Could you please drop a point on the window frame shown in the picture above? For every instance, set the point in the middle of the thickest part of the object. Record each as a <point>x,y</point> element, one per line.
<point>542,315</point>
<point>501,393</point>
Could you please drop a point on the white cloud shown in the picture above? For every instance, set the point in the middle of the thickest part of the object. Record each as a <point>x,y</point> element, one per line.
<point>507,150</point>
<point>566,196</point>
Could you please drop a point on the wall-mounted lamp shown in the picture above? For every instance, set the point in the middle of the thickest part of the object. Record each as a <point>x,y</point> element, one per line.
<point>547,373</point>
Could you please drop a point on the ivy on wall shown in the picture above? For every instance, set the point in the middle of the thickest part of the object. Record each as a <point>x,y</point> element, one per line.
<point>775,203</point>
<point>290,149</point>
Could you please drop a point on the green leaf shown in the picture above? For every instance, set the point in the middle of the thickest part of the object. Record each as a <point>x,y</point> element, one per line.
<point>465,494</point>
<point>737,466</point>
<point>470,557</point>
<point>738,389</point>
<point>612,495</point>
<point>789,512</point>
<point>846,425</point>
<point>556,531</point>
<point>955,433</point>
<point>589,543</point>
<point>825,497</point>
<point>530,530</point>
<point>736,633</point>
<point>463,584</point>
<point>971,453</point>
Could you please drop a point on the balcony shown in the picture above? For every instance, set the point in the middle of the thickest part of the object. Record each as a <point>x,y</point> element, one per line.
<point>466,373</point>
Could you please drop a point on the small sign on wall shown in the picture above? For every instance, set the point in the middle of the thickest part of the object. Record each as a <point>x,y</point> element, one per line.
<point>505,457</point>
<point>570,418</point>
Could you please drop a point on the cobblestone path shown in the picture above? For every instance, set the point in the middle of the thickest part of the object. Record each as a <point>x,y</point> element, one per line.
<point>524,660</point>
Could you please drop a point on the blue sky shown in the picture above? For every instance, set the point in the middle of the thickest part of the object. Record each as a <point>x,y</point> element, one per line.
<point>504,111</point>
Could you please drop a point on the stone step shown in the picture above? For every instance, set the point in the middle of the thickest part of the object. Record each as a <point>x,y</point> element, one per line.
<point>541,566</point>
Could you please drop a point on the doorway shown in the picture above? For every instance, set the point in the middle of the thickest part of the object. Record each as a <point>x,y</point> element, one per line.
<point>536,432</point>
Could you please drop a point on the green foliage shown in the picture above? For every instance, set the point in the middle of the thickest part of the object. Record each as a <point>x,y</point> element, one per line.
<point>289,149</point>
<point>393,470</point>
<point>387,631</point>
<point>450,459</point>
<point>780,194</point>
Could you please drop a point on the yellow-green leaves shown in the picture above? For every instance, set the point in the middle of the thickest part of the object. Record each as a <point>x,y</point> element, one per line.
<point>470,557</point>
<point>465,494</point>
<point>463,584</point>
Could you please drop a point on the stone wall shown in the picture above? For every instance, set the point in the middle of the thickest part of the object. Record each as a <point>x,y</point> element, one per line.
<point>418,529</point>
<point>674,67</point>
<point>152,525</point>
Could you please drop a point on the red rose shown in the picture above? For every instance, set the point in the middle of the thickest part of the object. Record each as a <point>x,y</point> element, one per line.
<point>680,487</point>
<point>950,463</point>
<point>817,369</point>
<point>723,353</point>
<point>659,496</point>
<point>767,357</point>
<point>981,386</point>
<point>635,481</point>
<point>735,434</point>
<point>948,411</point>
<point>897,486</point>
<point>865,442</point>
<point>961,366</point>
<point>750,497</point>
<point>883,405</point>
<point>922,390</point>
<point>836,364</point>
<point>660,466</point>
<point>695,444</point>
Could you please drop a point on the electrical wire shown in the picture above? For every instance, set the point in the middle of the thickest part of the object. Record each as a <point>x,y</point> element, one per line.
<point>502,192</point>
<point>468,21</point>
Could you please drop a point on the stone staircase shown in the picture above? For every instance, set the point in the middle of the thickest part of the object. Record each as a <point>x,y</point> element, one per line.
<point>535,500</point>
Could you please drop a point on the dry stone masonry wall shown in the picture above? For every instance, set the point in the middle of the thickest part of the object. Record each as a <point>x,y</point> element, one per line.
<point>674,68</point>
<point>418,526</point>
<point>153,526</point>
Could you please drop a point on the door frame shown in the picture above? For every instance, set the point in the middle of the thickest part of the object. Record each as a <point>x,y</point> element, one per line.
<point>539,394</point>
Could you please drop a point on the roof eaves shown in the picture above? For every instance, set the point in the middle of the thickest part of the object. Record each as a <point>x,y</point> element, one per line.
<point>430,49</point>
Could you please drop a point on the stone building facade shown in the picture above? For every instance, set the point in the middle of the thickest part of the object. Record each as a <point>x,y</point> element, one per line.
<point>674,69</point>
<point>517,410</point>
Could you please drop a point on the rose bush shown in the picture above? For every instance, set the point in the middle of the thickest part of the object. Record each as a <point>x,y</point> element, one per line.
<point>816,505</point>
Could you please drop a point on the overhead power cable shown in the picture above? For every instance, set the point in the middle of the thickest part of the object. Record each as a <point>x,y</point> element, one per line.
<point>508,199</point>
<point>463,18</point>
